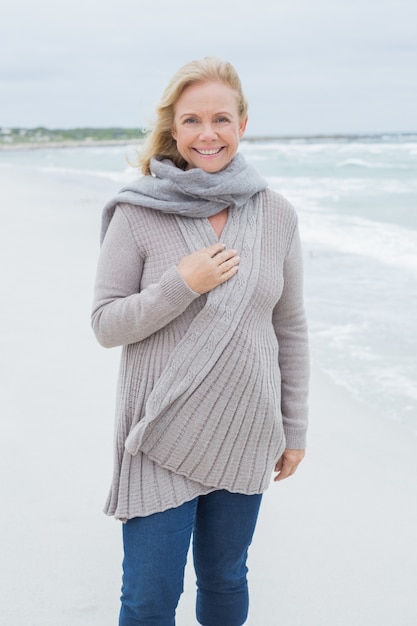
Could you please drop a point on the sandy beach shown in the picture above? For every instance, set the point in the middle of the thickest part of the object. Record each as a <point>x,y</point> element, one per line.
<point>335,544</point>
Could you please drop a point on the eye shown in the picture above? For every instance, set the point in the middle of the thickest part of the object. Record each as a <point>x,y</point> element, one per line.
<point>222,119</point>
<point>189,120</point>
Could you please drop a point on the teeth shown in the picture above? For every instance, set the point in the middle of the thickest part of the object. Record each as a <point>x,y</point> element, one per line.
<point>208,152</point>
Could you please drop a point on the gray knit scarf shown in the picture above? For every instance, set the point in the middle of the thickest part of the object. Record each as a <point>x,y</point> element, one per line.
<point>175,421</point>
<point>192,193</point>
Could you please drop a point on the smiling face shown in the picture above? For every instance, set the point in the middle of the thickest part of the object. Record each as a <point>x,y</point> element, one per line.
<point>207,126</point>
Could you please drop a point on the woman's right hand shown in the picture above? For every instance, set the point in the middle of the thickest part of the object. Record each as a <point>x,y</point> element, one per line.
<point>207,268</point>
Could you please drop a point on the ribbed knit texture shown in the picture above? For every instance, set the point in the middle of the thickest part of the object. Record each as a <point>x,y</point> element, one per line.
<point>209,394</point>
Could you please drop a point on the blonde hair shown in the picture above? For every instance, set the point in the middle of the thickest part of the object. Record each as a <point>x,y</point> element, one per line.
<point>160,141</point>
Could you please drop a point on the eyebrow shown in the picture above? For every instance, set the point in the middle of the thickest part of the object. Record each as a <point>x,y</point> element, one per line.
<point>196,115</point>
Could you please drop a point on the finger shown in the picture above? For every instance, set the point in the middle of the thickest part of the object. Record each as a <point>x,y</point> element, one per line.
<point>225,256</point>
<point>226,275</point>
<point>286,470</point>
<point>278,466</point>
<point>215,248</point>
<point>228,265</point>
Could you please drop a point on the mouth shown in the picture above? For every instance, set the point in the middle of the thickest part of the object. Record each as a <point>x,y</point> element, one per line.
<point>210,152</point>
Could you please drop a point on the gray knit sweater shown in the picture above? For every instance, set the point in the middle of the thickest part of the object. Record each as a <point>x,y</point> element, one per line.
<point>238,397</point>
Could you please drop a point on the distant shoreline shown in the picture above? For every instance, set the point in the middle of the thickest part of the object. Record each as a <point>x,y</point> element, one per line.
<point>46,145</point>
<point>87,143</point>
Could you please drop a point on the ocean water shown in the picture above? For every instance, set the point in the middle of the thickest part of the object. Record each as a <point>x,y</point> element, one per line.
<point>357,207</point>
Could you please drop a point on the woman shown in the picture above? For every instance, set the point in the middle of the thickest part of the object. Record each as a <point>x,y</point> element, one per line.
<point>200,280</point>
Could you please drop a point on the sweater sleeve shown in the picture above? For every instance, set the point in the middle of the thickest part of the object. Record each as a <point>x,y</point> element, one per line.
<point>291,329</point>
<point>122,313</point>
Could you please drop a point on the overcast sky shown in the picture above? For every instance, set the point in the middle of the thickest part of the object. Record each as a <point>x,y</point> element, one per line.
<point>307,66</point>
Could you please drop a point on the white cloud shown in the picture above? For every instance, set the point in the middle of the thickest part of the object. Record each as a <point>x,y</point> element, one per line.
<point>308,67</point>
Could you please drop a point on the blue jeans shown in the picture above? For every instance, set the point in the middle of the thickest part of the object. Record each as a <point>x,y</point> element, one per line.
<point>155,552</point>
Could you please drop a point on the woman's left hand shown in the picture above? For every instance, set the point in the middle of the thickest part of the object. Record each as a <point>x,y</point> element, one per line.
<point>288,463</point>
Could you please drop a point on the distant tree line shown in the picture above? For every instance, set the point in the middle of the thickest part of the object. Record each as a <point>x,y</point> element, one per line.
<point>42,135</point>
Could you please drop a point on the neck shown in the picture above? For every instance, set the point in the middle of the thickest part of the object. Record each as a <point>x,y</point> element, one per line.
<point>218,221</point>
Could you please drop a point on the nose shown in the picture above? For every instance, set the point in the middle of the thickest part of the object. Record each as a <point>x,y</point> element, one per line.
<point>208,132</point>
